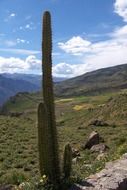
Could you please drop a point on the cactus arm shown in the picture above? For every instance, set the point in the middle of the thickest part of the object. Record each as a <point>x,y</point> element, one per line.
<point>67,165</point>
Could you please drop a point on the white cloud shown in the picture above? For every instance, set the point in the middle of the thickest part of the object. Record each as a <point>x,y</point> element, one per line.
<point>121,8</point>
<point>96,55</point>
<point>9,17</point>
<point>63,70</point>
<point>22,41</point>
<point>12,15</point>
<point>76,45</point>
<point>33,62</point>
<point>13,64</point>
<point>29,26</point>
<point>120,32</point>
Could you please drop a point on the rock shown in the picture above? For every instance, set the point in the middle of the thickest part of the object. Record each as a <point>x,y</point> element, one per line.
<point>92,140</point>
<point>75,153</point>
<point>15,114</point>
<point>86,166</point>
<point>76,160</point>
<point>98,122</point>
<point>6,187</point>
<point>101,156</point>
<point>99,148</point>
<point>112,177</point>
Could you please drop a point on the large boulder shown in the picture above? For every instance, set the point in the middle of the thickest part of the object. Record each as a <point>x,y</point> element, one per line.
<point>93,139</point>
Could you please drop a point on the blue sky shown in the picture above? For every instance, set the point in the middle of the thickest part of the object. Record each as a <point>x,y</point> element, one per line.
<point>87,35</point>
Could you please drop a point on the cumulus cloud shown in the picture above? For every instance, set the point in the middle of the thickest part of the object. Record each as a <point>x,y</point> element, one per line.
<point>96,55</point>
<point>76,45</point>
<point>88,55</point>
<point>120,32</point>
<point>13,64</point>
<point>121,8</point>
<point>63,70</point>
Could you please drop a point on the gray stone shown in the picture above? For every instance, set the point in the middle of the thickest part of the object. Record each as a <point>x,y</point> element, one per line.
<point>99,148</point>
<point>92,140</point>
<point>113,177</point>
<point>101,156</point>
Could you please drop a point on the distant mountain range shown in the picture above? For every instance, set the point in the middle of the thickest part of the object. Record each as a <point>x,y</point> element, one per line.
<point>94,83</point>
<point>10,84</point>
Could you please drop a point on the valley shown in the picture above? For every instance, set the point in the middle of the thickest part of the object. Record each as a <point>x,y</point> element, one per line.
<point>18,143</point>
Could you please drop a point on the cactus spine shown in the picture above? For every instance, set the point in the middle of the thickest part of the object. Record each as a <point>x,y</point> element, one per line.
<point>47,132</point>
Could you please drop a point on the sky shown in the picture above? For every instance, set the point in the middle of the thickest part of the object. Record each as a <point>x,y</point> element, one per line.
<point>87,35</point>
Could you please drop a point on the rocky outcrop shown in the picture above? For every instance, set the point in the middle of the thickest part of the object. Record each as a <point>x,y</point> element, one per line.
<point>112,177</point>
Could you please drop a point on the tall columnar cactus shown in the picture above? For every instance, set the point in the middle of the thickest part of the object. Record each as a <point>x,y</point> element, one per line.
<point>47,132</point>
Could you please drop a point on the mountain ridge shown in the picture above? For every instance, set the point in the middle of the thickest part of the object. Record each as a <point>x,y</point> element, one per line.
<point>95,82</point>
<point>92,83</point>
<point>11,84</point>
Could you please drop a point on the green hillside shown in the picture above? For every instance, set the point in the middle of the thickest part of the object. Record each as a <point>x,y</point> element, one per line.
<point>110,79</point>
<point>18,143</point>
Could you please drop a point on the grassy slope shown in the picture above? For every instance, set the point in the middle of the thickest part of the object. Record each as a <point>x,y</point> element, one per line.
<point>93,83</point>
<point>18,142</point>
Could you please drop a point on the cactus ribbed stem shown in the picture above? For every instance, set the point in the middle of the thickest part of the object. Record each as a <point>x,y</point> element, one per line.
<point>49,161</point>
<point>47,131</point>
<point>43,138</point>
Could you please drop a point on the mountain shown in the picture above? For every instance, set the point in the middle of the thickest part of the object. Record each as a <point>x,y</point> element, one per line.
<point>93,83</point>
<point>9,87</point>
<point>32,78</point>
<point>10,84</point>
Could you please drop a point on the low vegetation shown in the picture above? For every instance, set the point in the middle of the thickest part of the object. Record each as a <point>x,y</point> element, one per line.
<point>18,143</point>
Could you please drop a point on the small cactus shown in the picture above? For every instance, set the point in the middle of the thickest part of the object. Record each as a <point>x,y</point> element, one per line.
<point>67,165</point>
